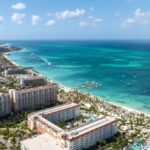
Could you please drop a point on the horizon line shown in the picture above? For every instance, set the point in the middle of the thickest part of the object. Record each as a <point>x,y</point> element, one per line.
<point>74,39</point>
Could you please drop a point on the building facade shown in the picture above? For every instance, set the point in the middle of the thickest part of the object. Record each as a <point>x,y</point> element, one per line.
<point>33,98</point>
<point>89,134</point>
<point>5,104</point>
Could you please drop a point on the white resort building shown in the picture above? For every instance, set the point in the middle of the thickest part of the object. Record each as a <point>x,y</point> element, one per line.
<point>82,137</point>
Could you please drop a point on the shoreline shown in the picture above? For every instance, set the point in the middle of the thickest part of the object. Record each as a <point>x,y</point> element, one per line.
<point>67,89</point>
<point>126,108</point>
<point>5,55</point>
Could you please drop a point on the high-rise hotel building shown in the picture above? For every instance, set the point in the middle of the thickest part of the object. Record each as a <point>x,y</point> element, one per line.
<point>5,104</point>
<point>33,98</point>
<point>28,99</point>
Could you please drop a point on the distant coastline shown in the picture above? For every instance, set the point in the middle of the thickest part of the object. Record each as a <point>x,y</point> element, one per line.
<point>70,89</point>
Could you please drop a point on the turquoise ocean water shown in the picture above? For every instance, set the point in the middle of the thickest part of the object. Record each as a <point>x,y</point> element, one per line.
<point>121,67</point>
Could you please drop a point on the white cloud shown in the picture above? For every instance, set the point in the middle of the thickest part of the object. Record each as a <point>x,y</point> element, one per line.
<point>139,18</point>
<point>70,13</point>
<point>139,13</point>
<point>17,17</point>
<point>97,20</point>
<point>35,19</point>
<point>83,24</point>
<point>1,19</point>
<point>51,22</point>
<point>92,21</point>
<point>18,6</point>
<point>128,22</point>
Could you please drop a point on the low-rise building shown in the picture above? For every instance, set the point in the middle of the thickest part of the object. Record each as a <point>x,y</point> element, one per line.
<point>13,71</point>
<point>5,104</point>
<point>78,138</point>
<point>33,81</point>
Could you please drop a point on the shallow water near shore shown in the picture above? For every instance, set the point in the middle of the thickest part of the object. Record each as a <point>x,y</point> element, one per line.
<point>121,67</point>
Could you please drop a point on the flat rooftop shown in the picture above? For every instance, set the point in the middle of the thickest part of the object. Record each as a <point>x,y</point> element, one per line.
<point>98,123</point>
<point>33,78</point>
<point>23,76</point>
<point>50,110</point>
<point>60,108</point>
<point>41,142</point>
<point>36,88</point>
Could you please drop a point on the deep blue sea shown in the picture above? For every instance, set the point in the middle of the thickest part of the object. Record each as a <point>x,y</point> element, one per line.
<point>121,67</point>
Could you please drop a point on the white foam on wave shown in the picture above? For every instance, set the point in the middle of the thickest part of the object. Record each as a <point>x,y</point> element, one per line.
<point>6,44</point>
<point>46,61</point>
<point>31,54</point>
<point>23,50</point>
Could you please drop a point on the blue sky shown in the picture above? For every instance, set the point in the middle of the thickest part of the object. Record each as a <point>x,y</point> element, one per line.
<point>76,19</point>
